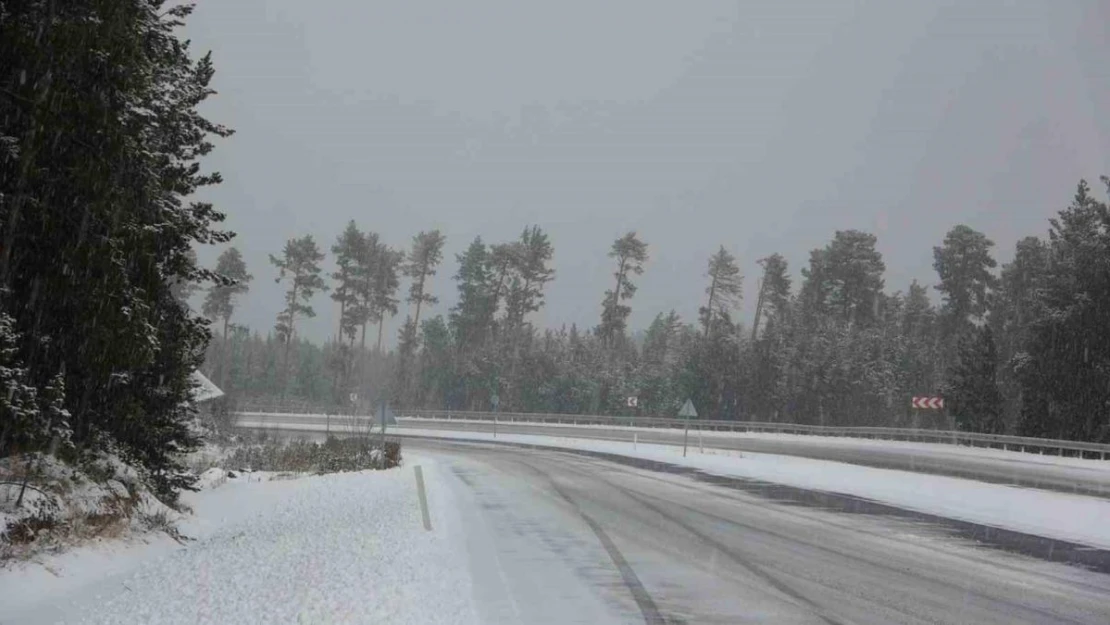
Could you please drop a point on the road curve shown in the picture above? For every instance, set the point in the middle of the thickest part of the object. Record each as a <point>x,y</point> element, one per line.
<point>656,547</point>
<point>1089,477</point>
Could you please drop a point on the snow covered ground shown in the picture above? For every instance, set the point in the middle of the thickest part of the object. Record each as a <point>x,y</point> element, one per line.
<point>1063,516</point>
<point>335,548</point>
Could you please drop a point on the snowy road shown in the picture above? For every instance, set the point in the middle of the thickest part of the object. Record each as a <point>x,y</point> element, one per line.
<point>558,537</point>
<point>1003,467</point>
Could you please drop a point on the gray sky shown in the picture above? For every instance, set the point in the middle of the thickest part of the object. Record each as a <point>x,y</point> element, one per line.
<point>764,126</point>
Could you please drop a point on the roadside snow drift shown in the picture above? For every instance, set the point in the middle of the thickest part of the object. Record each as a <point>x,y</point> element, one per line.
<point>339,548</point>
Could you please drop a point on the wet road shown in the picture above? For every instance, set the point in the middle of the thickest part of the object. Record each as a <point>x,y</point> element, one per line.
<point>574,538</point>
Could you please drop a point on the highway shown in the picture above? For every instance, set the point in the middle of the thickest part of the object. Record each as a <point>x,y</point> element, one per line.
<point>1014,468</point>
<point>564,537</point>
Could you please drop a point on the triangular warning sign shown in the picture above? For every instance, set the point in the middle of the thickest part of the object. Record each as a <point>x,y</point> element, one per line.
<point>688,410</point>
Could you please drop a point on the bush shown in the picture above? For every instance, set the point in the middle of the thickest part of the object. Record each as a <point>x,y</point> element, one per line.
<point>334,455</point>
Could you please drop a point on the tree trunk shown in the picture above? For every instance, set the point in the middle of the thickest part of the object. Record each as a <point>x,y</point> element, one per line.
<point>288,338</point>
<point>614,304</point>
<point>225,348</point>
<point>381,323</point>
<point>709,305</point>
<point>342,311</point>
<point>758,308</point>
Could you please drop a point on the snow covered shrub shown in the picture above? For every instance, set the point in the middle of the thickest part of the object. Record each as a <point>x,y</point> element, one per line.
<point>332,456</point>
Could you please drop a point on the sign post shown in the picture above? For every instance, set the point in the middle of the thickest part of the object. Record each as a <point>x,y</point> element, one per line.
<point>633,402</point>
<point>354,411</point>
<point>496,401</point>
<point>381,408</point>
<point>687,411</point>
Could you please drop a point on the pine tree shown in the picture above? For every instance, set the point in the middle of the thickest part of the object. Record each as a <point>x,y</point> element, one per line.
<point>219,303</point>
<point>724,290</point>
<point>964,265</point>
<point>1063,372</point>
<point>349,248</point>
<point>529,263</point>
<point>423,258</point>
<point>1015,307</point>
<point>768,357</point>
<point>386,281</point>
<point>470,318</point>
<point>631,254</point>
<point>300,265</point>
<point>774,292</point>
<point>854,270</point>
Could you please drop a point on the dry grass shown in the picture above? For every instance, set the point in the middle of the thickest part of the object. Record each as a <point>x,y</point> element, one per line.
<point>67,505</point>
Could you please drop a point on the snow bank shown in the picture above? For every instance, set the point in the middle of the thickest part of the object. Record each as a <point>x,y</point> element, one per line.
<point>1073,518</point>
<point>64,505</point>
<point>337,548</point>
<point>845,442</point>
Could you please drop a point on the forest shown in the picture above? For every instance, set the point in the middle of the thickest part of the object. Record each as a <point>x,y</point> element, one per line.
<point>1022,348</point>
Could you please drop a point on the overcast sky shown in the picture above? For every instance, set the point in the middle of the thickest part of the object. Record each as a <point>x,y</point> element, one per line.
<point>762,126</point>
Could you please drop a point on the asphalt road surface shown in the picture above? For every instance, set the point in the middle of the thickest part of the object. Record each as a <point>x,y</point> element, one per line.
<point>571,538</point>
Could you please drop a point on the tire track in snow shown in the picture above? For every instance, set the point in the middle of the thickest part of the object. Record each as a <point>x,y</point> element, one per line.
<point>650,611</point>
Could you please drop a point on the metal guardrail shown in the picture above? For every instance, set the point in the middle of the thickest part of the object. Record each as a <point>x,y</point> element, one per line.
<point>1019,443</point>
<point>298,406</point>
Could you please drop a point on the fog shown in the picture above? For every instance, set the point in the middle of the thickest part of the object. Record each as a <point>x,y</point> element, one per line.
<point>762,126</point>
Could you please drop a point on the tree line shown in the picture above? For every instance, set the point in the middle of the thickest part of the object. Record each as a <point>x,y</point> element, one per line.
<point>1019,349</point>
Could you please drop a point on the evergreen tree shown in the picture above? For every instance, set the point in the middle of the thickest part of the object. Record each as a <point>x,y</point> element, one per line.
<point>631,254</point>
<point>348,250</point>
<point>964,265</point>
<point>99,150</point>
<point>423,258</point>
<point>724,290</point>
<point>972,394</point>
<point>768,357</point>
<point>219,303</point>
<point>300,265</point>
<point>529,262</point>
<point>502,260</point>
<point>470,318</point>
<point>367,266</point>
<point>774,292</point>
<point>1016,306</point>
<point>1063,373</point>
<point>386,282</point>
<point>854,271</point>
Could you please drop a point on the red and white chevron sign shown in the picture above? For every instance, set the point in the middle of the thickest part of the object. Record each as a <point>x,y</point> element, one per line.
<point>928,403</point>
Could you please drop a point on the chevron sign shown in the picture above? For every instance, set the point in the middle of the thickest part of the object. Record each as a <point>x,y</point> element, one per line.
<point>928,403</point>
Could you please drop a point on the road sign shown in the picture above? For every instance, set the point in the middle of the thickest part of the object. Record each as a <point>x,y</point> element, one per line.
<point>928,403</point>
<point>633,402</point>
<point>354,397</point>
